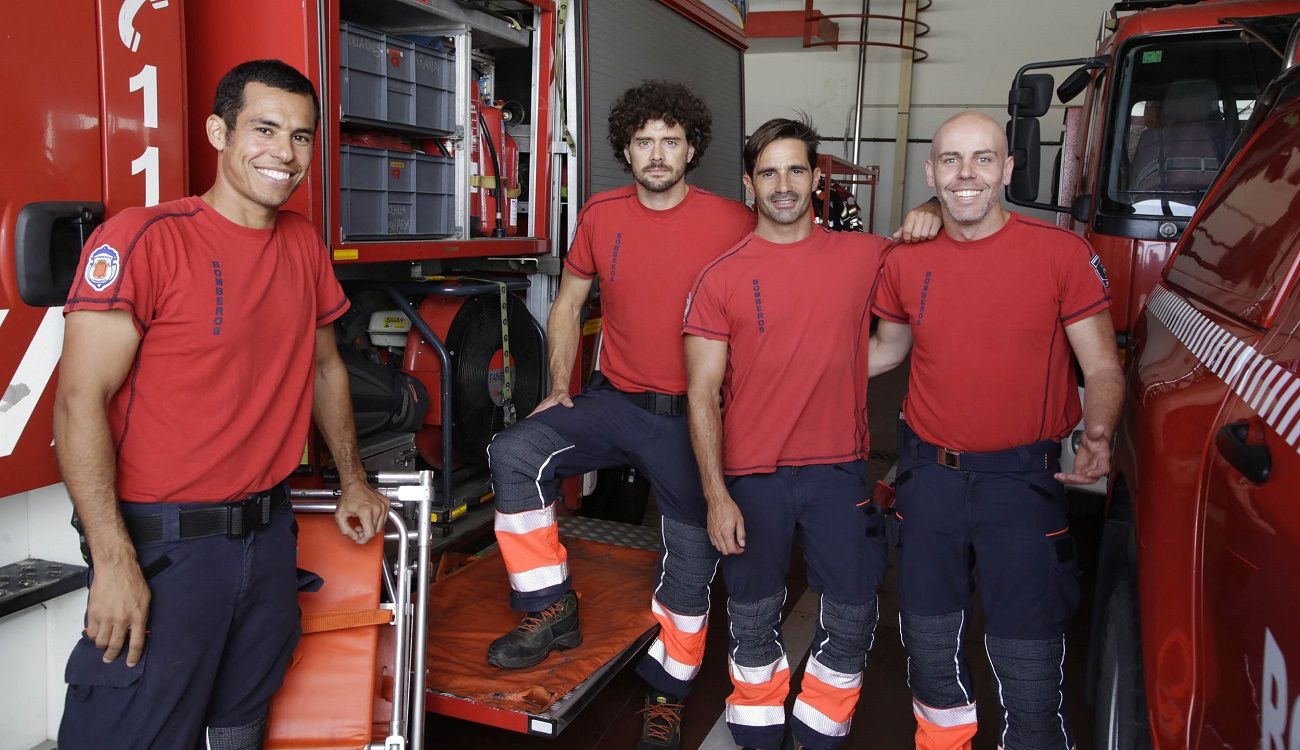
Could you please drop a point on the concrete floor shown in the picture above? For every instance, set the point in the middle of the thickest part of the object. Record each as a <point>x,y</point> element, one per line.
<point>884,718</point>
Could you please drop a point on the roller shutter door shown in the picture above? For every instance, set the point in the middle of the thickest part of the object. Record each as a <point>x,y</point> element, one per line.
<point>631,40</point>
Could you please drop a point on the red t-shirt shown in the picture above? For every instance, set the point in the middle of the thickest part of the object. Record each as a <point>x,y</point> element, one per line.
<point>646,261</point>
<point>795,318</point>
<point>991,366</point>
<point>217,403</point>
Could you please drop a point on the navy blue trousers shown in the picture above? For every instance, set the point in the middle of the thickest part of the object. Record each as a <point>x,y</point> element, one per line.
<point>223,624</point>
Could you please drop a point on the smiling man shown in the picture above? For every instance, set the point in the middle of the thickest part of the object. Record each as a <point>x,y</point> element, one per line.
<point>778,327</point>
<point>178,416</point>
<point>992,311</point>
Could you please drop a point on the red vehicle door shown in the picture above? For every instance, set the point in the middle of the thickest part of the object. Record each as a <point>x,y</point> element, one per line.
<point>92,128</point>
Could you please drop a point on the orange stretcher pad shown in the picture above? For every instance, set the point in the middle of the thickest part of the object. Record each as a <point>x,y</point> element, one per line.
<point>469,608</point>
<point>337,692</point>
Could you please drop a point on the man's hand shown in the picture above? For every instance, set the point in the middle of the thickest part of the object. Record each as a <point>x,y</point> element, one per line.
<point>118,609</point>
<point>921,223</point>
<point>727,526</point>
<point>361,502</point>
<point>1092,460</point>
<point>554,398</point>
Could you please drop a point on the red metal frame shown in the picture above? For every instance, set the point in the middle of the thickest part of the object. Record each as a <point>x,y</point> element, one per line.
<point>709,20</point>
<point>792,24</point>
<point>921,29</point>
<point>835,169</point>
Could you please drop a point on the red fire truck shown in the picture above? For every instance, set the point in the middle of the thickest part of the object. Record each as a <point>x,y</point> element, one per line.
<point>1195,634</point>
<point>1164,95</point>
<point>457,141</point>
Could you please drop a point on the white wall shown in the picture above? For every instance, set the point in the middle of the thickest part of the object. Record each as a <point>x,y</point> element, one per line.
<point>975,48</point>
<point>35,643</point>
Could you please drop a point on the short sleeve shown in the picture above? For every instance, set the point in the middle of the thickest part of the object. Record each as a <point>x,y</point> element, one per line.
<point>1084,286</point>
<point>331,302</point>
<point>116,271</point>
<point>887,304</point>
<point>705,314</point>
<point>580,260</point>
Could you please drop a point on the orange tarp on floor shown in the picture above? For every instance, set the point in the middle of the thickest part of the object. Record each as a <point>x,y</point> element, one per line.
<point>470,608</point>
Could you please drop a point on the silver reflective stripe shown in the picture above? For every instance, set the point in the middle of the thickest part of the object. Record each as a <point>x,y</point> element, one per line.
<point>679,670</point>
<point>818,721</point>
<point>539,578</point>
<point>945,717</point>
<point>758,675</point>
<point>756,716</point>
<point>831,677</point>
<point>522,523</point>
<point>683,623</point>
<point>1268,390</point>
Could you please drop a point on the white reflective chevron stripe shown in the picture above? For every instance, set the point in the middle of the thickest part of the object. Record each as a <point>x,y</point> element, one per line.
<point>756,716</point>
<point>539,578</point>
<point>19,398</point>
<point>831,677</point>
<point>818,721</point>
<point>1267,389</point>
<point>522,523</point>
<point>679,670</point>
<point>945,717</point>
<point>757,675</point>
<point>683,623</point>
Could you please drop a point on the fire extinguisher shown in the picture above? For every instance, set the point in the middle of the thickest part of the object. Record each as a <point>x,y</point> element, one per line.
<point>493,201</point>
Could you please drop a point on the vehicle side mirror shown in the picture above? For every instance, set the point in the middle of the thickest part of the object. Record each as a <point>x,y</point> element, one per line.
<point>48,237</point>
<point>1081,208</point>
<point>1030,95</point>
<point>1073,84</point>
<point>1024,153</point>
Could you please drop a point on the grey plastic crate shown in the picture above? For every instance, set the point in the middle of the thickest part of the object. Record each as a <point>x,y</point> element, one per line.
<point>401,80</point>
<point>435,190</point>
<point>435,88</point>
<point>385,192</point>
<point>363,72</point>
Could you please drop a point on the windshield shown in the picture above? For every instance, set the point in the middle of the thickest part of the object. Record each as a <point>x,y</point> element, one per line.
<point>1181,102</point>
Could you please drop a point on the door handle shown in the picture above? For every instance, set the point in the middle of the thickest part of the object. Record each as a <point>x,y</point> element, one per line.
<point>48,238</point>
<point>1252,460</point>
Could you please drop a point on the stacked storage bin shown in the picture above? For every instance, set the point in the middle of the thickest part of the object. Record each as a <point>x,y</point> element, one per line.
<point>391,80</point>
<point>396,193</point>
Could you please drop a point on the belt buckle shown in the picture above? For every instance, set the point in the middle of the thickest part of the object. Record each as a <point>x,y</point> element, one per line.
<point>243,517</point>
<point>951,459</point>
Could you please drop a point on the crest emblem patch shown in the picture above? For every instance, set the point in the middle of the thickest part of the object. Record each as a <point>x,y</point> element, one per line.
<point>102,267</point>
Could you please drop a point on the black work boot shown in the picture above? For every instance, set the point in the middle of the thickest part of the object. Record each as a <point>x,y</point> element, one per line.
<point>528,644</point>
<point>662,723</point>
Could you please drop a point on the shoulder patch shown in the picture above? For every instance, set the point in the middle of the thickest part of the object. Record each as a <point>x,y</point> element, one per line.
<point>102,267</point>
<point>1095,261</point>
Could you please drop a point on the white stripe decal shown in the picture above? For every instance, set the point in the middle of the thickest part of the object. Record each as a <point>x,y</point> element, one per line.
<point>539,578</point>
<point>34,372</point>
<point>1267,389</point>
<point>756,716</point>
<point>818,721</point>
<point>522,523</point>
<point>679,670</point>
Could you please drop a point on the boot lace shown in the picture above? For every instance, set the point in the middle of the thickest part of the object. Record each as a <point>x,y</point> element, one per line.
<point>532,622</point>
<point>661,720</point>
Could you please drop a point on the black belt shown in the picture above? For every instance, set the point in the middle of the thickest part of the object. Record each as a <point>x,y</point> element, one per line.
<point>236,520</point>
<point>1044,455</point>
<point>663,404</point>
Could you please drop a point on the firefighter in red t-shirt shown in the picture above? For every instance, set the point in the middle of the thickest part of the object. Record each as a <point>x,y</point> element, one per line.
<point>992,311</point>
<point>778,325</point>
<point>179,413</point>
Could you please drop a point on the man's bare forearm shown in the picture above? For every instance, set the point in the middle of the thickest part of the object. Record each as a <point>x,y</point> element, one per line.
<point>562,335</point>
<point>1103,399</point>
<point>88,462</point>
<point>332,413</point>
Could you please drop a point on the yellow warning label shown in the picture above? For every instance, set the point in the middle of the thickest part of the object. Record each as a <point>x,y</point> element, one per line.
<point>395,321</point>
<point>397,164</point>
<point>349,253</point>
<point>591,327</point>
<point>306,454</point>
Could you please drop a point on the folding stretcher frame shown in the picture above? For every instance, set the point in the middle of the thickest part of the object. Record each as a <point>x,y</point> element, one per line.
<point>408,527</point>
